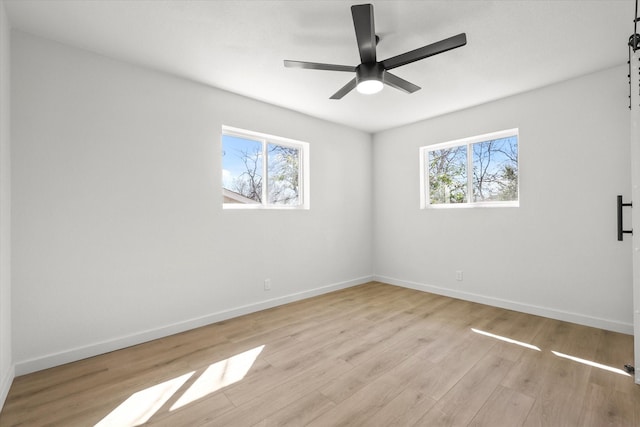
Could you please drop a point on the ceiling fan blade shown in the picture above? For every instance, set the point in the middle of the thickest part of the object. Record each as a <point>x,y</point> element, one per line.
<point>425,51</point>
<point>365,31</point>
<point>318,66</point>
<point>344,90</point>
<point>398,83</point>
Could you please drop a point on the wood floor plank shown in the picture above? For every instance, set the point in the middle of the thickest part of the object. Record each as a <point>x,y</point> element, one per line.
<point>348,384</point>
<point>460,404</point>
<point>613,351</point>
<point>563,384</point>
<point>373,355</point>
<point>404,410</point>
<point>299,413</point>
<point>412,402</point>
<point>356,409</point>
<point>504,405</point>
<point>283,395</point>
<point>607,407</point>
<point>528,373</point>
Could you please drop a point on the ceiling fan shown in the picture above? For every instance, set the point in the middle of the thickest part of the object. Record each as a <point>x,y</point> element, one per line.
<point>372,74</point>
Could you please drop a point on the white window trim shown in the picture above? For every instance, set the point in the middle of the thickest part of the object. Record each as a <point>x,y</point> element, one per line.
<point>303,171</point>
<point>425,202</point>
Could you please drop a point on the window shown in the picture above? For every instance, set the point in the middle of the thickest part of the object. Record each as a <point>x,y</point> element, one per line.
<point>263,171</point>
<point>477,171</point>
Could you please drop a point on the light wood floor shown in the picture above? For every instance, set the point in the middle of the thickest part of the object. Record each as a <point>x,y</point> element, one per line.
<point>372,355</point>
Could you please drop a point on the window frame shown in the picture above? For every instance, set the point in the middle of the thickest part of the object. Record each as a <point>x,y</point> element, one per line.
<point>425,196</point>
<point>265,140</point>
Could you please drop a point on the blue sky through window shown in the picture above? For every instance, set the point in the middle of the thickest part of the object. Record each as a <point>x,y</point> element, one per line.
<point>495,169</point>
<point>502,152</point>
<point>233,152</point>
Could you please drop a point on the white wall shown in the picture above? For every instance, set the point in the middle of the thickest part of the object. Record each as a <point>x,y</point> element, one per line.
<point>118,230</point>
<point>6,362</point>
<point>557,254</point>
<point>119,236</point>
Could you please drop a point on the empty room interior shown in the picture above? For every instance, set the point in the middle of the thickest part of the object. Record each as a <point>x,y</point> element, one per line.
<point>261,213</point>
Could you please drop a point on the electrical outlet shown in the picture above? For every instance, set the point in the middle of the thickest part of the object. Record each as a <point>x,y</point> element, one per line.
<point>459,275</point>
<point>267,284</point>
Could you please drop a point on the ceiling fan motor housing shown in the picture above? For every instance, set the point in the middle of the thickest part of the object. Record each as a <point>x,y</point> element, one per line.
<point>369,71</point>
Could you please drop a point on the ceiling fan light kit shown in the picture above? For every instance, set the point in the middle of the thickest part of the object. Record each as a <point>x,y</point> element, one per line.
<point>369,87</point>
<point>371,74</point>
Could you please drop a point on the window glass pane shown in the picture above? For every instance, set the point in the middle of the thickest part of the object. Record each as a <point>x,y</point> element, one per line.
<point>495,170</point>
<point>284,174</point>
<point>241,170</point>
<point>448,175</point>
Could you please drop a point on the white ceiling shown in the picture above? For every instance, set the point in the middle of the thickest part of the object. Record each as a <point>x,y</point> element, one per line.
<point>239,46</point>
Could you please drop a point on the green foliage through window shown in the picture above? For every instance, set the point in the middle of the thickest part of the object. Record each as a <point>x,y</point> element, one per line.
<point>479,170</point>
<point>448,175</point>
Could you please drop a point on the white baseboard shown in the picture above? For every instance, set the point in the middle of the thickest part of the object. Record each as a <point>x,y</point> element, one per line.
<point>581,319</point>
<point>94,349</point>
<point>5,385</point>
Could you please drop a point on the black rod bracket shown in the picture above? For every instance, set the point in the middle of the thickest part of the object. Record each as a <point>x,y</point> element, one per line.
<point>621,232</point>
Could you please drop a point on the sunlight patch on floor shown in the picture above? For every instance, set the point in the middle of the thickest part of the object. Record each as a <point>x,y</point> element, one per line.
<point>219,375</point>
<point>505,339</point>
<point>141,406</point>
<point>591,363</point>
